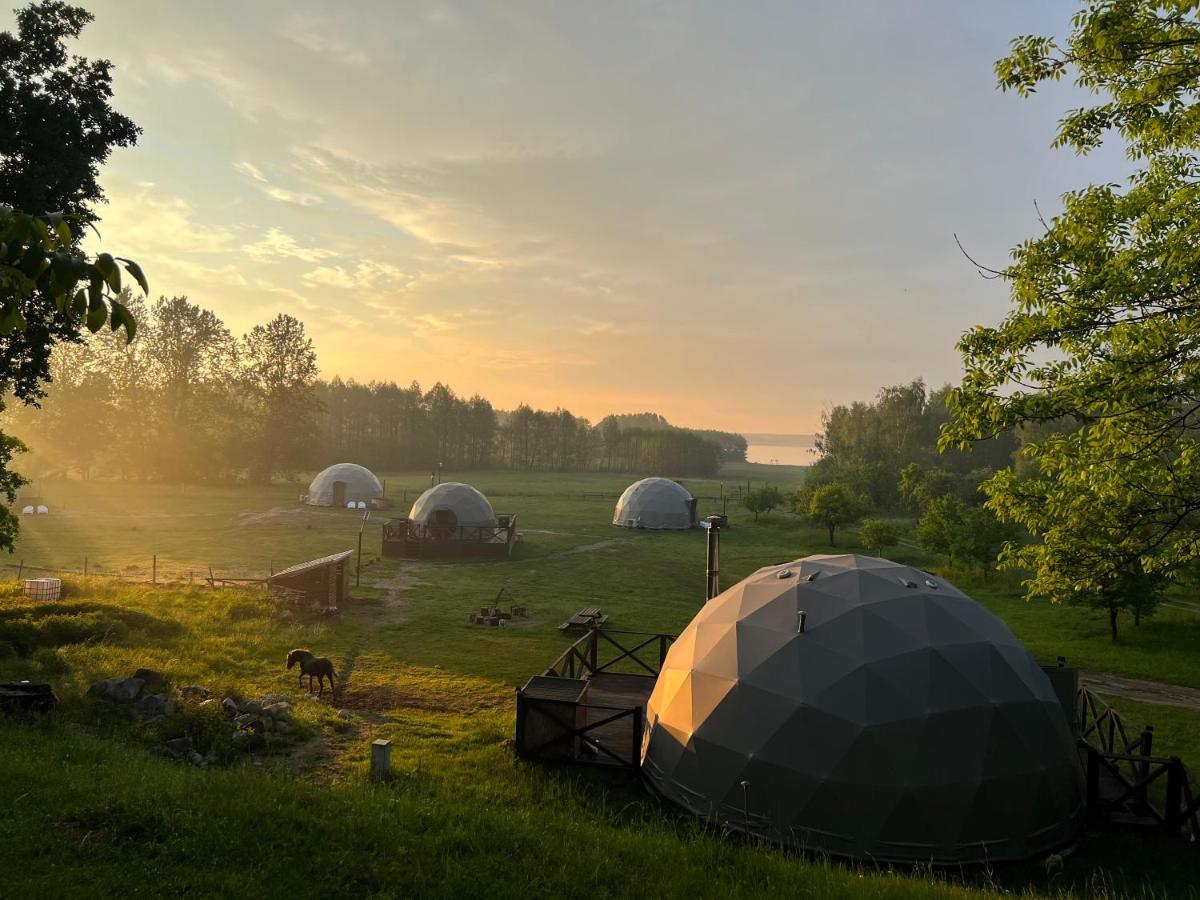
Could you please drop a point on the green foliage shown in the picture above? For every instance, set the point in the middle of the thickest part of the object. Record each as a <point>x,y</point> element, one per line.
<point>878,534</point>
<point>185,401</point>
<point>981,538</point>
<point>829,505</point>
<point>38,259</point>
<point>763,499</point>
<point>732,446</point>
<point>1103,339</point>
<point>869,445</point>
<point>939,524</point>
<point>29,628</point>
<point>1138,55</point>
<point>967,535</point>
<point>919,485</point>
<point>57,128</point>
<point>278,377</point>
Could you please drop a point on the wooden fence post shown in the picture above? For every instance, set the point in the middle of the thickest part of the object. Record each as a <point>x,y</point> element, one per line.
<point>1143,769</point>
<point>381,761</point>
<point>20,566</point>
<point>154,570</point>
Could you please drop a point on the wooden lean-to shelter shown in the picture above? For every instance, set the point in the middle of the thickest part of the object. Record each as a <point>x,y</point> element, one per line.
<point>320,583</point>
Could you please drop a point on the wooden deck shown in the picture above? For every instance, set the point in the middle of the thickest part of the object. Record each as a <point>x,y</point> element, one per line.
<point>583,708</point>
<point>606,695</point>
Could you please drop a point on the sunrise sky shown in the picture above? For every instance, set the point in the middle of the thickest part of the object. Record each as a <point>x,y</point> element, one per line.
<point>734,214</point>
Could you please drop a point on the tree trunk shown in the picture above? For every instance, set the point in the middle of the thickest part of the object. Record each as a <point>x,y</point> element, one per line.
<point>831,530</point>
<point>1112,621</point>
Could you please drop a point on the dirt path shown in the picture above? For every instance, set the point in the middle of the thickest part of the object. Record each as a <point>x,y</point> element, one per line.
<point>1144,691</point>
<point>610,544</point>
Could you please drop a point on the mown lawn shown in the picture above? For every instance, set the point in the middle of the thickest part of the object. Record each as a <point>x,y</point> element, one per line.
<point>84,808</point>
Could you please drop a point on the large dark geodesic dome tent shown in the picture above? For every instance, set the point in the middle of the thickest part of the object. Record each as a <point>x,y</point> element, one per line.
<point>866,709</point>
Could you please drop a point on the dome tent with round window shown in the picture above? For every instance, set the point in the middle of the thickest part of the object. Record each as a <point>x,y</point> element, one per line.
<point>450,519</point>
<point>656,503</point>
<point>865,709</point>
<point>343,484</point>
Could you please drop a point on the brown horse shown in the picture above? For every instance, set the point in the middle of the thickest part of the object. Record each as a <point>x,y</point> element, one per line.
<point>311,665</point>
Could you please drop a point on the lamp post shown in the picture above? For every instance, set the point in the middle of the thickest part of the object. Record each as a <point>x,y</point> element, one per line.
<point>358,564</point>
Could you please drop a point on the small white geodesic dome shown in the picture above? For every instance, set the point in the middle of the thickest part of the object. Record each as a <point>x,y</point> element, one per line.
<point>42,509</point>
<point>452,504</point>
<point>658,503</point>
<point>27,510</point>
<point>344,484</point>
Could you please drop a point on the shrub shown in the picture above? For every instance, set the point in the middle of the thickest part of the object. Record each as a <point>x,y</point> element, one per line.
<point>878,534</point>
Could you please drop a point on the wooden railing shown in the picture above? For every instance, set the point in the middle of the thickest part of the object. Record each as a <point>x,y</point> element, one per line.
<point>1123,774</point>
<point>583,658</point>
<point>595,748</point>
<point>402,529</point>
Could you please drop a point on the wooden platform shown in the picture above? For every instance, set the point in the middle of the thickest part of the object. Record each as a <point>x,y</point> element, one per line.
<point>596,720</point>
<point>605,695</point>
<point>589,705</point>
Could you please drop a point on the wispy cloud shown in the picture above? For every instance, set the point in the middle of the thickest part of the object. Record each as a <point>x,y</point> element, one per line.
<point>366,275</point>
<point>319,34</point>
<point>277,244</point>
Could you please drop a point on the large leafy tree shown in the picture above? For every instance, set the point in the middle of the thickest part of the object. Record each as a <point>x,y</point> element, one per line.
<point>279,376</point>
<point>56,129</point>
<point>1104,333</point>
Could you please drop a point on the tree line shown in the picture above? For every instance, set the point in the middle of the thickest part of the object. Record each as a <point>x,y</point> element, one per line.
<point>880,465</point>
<point>189,401</point>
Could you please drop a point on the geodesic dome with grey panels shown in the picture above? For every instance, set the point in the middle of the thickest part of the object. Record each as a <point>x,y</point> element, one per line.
<point>360,486</point>
<point>905,723</point>
<point>657,503</point>
<point>452,504</point>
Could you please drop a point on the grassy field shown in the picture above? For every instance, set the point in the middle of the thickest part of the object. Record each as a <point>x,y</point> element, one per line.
<point>87,810</point>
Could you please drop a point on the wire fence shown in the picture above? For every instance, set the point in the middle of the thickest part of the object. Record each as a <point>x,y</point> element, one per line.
<point>155,574</point>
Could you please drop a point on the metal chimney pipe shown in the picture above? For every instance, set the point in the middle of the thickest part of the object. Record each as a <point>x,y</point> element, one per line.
<point>712,585</point>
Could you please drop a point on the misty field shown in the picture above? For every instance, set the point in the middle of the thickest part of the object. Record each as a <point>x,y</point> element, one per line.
<point>95,808</point>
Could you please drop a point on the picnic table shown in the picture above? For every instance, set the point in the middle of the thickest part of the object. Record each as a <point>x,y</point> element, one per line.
<point>588,617</point>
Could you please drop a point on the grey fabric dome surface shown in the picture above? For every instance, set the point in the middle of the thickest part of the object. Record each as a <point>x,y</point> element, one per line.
<point>658,503</point>
<point>358,484</point>
<point>906,723</point>
<point>452,503</point>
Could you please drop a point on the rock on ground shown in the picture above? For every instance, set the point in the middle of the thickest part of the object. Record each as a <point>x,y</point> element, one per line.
<point>122,690</point>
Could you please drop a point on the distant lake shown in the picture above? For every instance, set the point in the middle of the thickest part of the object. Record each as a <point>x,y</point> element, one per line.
<point>780,454</point>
